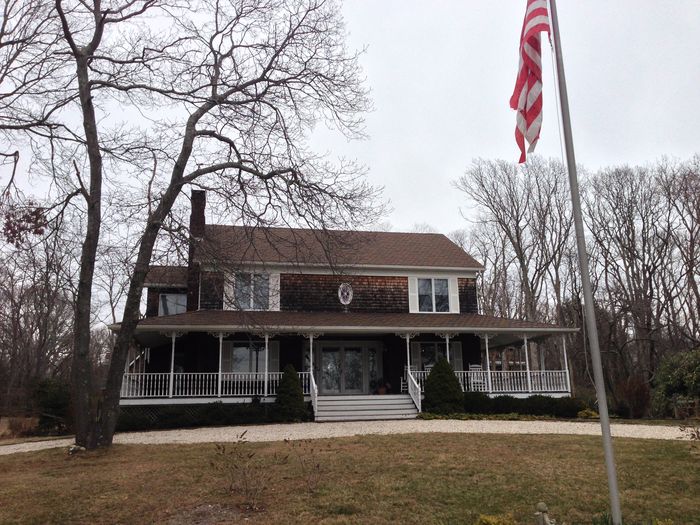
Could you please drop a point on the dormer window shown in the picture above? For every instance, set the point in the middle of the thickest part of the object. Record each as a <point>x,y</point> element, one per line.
<point>433,295</point>
<point>172,303</point>
<point>252,291</point>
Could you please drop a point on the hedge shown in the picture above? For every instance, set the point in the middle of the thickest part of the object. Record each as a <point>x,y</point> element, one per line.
<point>564,407</point>
<point>132,418</point>
<point>443,393</point>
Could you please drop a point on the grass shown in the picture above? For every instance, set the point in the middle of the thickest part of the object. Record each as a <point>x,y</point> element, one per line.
<point>414,478</point>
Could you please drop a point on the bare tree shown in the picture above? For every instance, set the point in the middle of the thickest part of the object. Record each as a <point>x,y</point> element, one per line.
<point>225,94</point>
<point>36,307</point>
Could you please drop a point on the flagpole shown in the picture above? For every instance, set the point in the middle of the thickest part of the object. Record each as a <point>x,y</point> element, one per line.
<point>585,277</point>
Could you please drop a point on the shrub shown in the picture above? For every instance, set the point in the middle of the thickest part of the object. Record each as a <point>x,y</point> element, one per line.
<point>443,393</point>
<point>52,400</point>
<point>477,403</point>
<point>678,378</point>
<point>587,413</point>
<point>567,407</point>
<point>289,405</point>
<point>183,416</point>
<point>507,404</point>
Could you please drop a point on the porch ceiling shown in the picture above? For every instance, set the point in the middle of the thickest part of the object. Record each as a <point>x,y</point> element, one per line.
<point>343,322</point>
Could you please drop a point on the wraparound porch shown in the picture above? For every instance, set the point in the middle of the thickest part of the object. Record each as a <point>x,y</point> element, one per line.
<point>242,360</point>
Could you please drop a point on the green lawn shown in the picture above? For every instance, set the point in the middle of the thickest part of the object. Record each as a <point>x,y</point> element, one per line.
<point>415,478</point>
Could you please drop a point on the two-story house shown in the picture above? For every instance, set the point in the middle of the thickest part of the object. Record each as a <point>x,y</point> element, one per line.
<point>362,316</point>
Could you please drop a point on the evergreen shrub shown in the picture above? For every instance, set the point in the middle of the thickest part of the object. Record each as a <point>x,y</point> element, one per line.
<point>443,393</point>
<point>289,405</point>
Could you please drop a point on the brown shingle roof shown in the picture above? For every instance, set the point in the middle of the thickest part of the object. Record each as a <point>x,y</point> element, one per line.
<point>167,276</point>
<point>239,244</point>
<point>341,322</point>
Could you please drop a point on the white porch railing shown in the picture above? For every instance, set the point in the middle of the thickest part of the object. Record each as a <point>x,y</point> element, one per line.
<point>502,382</point>
<point>313,389</point>
<point>205,384</point>
<point>414,389</point>
<point>146,385</point>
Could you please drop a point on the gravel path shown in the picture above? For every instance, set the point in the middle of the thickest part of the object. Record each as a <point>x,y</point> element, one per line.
<point>343,429</point>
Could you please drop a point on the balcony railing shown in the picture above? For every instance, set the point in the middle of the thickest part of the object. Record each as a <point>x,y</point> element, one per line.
<point>204,384</point>
<point>503,382</point>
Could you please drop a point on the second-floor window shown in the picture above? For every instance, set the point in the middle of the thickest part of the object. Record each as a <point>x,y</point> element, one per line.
<point>172,303</point>
<point>433,295</point>
<point>252,291</point>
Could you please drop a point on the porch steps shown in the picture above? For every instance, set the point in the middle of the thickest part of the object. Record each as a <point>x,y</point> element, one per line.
<point>362,408</point>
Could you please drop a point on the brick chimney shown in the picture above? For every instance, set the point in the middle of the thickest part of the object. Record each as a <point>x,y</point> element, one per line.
<point>197,223</point>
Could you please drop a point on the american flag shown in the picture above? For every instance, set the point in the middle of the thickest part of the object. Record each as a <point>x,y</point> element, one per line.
<point>527,95</point>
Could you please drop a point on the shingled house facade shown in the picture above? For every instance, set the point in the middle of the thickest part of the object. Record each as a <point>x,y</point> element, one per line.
<point>362,316</point>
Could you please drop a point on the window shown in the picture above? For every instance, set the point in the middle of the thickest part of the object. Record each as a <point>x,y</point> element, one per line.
<point>244,358</point>
<point>172,303</point>
<point>430,353</point>
<point>252,291</point>
<point>433,295</point>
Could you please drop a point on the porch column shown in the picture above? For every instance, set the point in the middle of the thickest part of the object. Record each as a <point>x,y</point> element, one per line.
<point>408,354</point>
<point>221,347</point>
<point>488,363</point>
<point>566,364</point>
<point>311,354</point>
<point>173,335</point>
<point>447,347</point>
<point>267,337</point>
<point>527,364</point>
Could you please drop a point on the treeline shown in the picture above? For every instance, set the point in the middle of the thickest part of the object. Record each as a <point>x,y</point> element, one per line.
<point>643,239</point>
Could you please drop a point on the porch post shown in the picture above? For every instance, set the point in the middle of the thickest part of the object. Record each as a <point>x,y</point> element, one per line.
<point>311,353</point>
<point>173,335</point>
<point>488,363</point>
<point>527,364</point>
<point>408,353</point>
<point>566,364</point>
<point>221,345</point>
<point>267,337</point>
<point>447,347</point>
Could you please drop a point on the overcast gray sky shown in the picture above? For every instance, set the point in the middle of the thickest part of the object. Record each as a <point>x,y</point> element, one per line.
<point>442,72</point>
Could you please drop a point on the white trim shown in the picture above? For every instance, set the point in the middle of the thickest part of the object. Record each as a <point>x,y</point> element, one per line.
<point>273,284</point>
<point>350,329</point>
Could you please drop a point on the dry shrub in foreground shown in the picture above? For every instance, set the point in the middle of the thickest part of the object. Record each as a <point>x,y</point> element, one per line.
<point>243,471</point>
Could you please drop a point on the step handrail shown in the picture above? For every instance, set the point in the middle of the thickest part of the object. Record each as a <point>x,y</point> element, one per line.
<point>414,389</point>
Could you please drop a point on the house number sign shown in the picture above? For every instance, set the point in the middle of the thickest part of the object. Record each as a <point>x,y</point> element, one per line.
<point>345,293</point>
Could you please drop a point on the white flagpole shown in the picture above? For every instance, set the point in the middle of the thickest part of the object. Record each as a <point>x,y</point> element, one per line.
<point>585,277</point>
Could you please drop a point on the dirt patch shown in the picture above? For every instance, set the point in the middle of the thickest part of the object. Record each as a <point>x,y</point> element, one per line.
<point>207,514</point>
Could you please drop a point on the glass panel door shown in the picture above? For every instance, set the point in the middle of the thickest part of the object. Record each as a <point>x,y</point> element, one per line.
<point>330,370</point>
<point>353,370</point>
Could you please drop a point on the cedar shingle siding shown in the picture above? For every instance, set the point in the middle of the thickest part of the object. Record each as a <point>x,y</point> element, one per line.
<point>319,293</point>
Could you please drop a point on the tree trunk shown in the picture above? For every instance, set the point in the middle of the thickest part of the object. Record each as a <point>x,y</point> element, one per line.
<point>85,404</point>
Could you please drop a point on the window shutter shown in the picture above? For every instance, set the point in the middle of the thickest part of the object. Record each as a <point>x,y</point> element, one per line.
<point>274,292</point>
<point>415,356</point>
<point>273,359</point>
<point>454,295</point>
<point>227,357</point>
<point>412,294</point>
<point>229,287</point>
<point>456,355</point>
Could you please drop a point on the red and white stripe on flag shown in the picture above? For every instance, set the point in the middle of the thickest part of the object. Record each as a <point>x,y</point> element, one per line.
<point>527,95</point>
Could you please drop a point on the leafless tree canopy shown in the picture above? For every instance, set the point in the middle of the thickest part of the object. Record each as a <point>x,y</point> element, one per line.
<point>121,105</point>
<point>642,235</point>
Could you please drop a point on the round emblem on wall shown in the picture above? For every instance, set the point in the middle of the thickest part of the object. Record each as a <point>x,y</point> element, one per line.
<point>345,293</point>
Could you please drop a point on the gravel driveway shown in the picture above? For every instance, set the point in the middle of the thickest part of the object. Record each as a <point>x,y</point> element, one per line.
<point>354,428</point>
